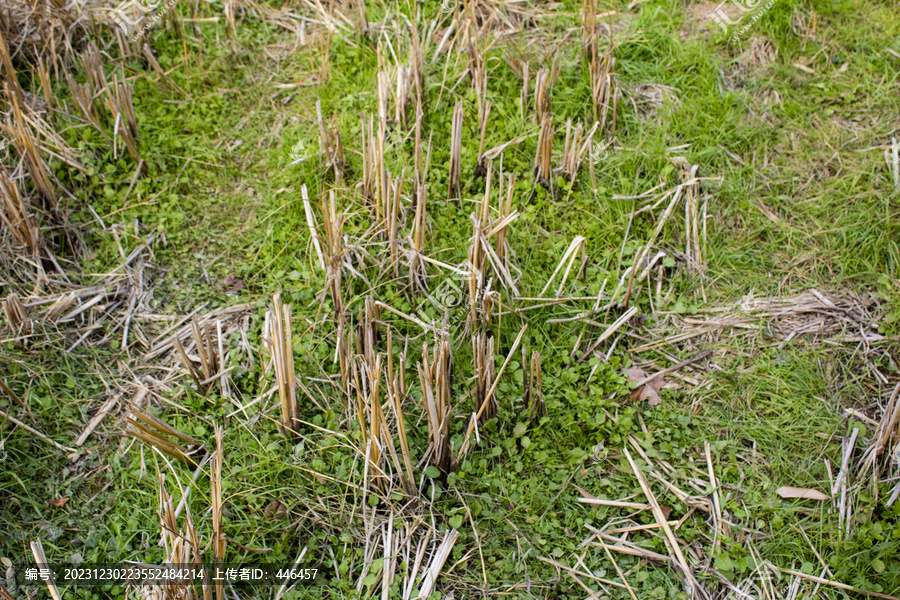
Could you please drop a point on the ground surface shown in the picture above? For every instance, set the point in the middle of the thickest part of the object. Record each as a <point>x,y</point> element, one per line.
<point>795,298</point>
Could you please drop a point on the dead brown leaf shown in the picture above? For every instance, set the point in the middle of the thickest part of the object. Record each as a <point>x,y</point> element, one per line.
<point>59,502</point>
<point>230,284</point>
<point>648,391</point>
<point>275,510</point>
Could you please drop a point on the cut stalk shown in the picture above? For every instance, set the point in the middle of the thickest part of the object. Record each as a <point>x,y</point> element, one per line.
<point>434,378</point>
<point>544,150</point>
<point>219,541</point>
<point>455,177</point>
<point>483,352</point>
<point>534,400</point>
<point>283,361</point>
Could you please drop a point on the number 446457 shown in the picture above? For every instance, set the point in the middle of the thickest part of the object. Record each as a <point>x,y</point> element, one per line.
<point>296,573</point>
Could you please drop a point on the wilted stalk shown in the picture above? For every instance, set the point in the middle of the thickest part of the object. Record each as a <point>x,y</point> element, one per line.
<point>283,360</point>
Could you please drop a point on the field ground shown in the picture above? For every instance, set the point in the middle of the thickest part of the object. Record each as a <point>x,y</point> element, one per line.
<point>524,357</point>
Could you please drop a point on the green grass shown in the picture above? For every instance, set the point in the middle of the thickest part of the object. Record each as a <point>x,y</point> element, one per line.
<point>229,208</point>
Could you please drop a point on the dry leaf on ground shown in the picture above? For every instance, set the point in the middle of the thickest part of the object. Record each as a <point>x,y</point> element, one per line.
<point>648,391</point>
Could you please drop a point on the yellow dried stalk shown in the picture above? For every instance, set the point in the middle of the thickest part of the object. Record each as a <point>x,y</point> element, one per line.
<point>482,256</point>
<point>392,225</point>
<point>376,443</point>
<point>884,449</point>
<point>483,351</point>
<point>544,150</point>
<point>40,558</point>
<point>219,542</point>
<point>434,378</point>
<point>126,48</point>
<point>588,29</point>
<point>312,226</point>
<point>13,311</point>
<point>383,93</point>
<point>182,547</point>
<point>574,149</point>
<point>382,186</point>
<point>154,431</point>
<point>342,349</point>
<point>334,252</point>
<point>376,418</point>
<point>419,220</point>
<point>397,393</point>
<point>361,404</point>
<point>521,68</point>
<point>417,275</point>
<point>209,361</point>
<point>504,217</point>
<point>476,418</point>
<point>83,95</point>
<point>138,431</point>
<point>534,395</point>
<point>151,60</point>
<point>28,147</point>
<point>401,97</point>
<point>362,23</point>
<point>46,88</point>
<point>604,87</point>
<point>229,10</point>
<point>477,276</point>
<point>118,99</point>
<point>330,145</point>
<point>14,214</point>
<point>93,67</point>
<point>416,67</point>
<point>479,168</point>
<point>477,71</point>
<point>9,73</point>
<point>417,155</point>
<point>283,361</point>
<point>368,333</point>
<point>692,221</point>
<point>189,364</point>
<point>568,260</point>
<point>369,171</point>
<point>542,86</point>
<point>455,175</point>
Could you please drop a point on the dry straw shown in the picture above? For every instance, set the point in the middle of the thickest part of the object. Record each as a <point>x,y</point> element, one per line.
<point>278,320</point>
<point>455,178</point>
<point>576,145</point>
<point>417,274</point>
<point>334,252</point>
<point>210,365</point>
<point>152,430</point>
<point>330,145</point>
<point>219,541</point>
<point>434,379</point>
<point>476,417</point>
<point>542,86</point>
<point>13,311</point>
<point>544,150</point>
<point>534,395</point>
<point>483,355</point>
<point>370,157</point>
<point>15,214</point>
<point>604,88</point>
